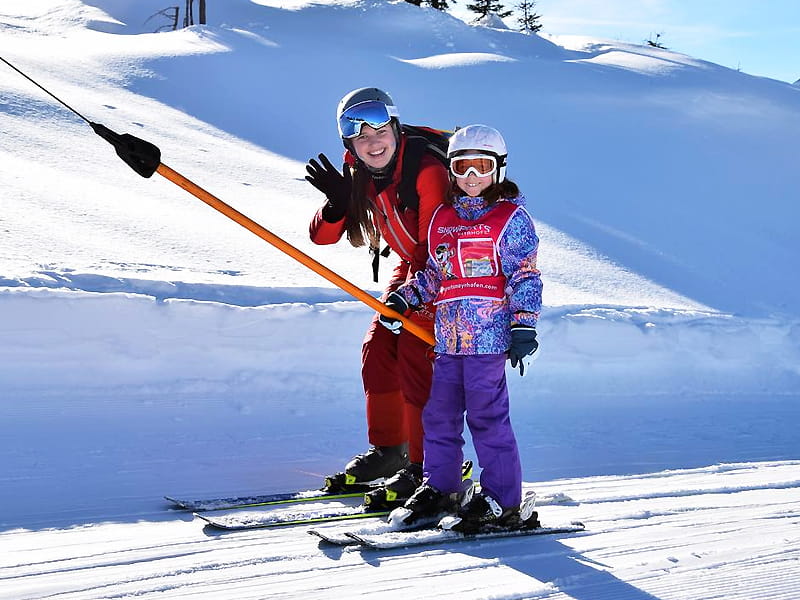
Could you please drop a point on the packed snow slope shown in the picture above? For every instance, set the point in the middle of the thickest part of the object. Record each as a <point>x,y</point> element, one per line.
<point>676,169</point>
<point>150,346</point>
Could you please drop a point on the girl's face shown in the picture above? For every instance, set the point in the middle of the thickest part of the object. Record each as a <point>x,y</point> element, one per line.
<point>375,147</point>
<point>473,185</point>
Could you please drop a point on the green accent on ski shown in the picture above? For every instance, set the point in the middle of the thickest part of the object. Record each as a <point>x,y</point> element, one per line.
<point>290,501</point>
<point>217,504</point>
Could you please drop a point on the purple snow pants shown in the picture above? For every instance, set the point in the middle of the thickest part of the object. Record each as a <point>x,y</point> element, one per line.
<point>475,384</point>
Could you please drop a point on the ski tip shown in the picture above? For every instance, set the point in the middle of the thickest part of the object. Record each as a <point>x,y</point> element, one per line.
<point>329,539</point>
<point>357,538</point>
<point>208,521</point>
<point>178,504</point>
<point>210,524</point>
<point>571,527</point>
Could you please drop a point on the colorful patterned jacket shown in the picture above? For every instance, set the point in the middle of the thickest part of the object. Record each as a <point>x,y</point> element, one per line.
<point>480,325</point>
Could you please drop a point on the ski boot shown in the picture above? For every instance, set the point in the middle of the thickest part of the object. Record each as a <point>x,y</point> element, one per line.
<point>364,469</point>
<point>402,485</point>
<point>527,512</point>
<point>426,506</point>
<point>340,483</point>
<point>480,512</point>
<point>397,489</point>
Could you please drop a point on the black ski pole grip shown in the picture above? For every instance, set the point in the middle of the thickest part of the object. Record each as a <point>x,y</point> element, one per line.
<point>140,155</point>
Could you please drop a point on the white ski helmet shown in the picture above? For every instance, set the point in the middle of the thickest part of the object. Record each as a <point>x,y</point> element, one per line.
<point>483,139</point>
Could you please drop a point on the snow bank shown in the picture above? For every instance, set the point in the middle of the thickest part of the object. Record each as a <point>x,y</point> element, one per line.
<point>64,337</point>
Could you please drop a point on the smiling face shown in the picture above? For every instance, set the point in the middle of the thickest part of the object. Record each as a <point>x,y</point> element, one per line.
<point>473,185</point>
<point>375,147</point>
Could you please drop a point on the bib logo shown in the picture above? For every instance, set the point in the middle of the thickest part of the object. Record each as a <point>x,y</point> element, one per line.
<point>443,254</point>
<point>465,230</point>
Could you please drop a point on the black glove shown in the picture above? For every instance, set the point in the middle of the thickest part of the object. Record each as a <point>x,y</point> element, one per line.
<point>397,303</point>
<point>334,185</point>
<point>523,343</point>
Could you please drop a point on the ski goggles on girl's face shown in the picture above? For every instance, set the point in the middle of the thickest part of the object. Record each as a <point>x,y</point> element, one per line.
<point>373,113</point>
<point>481,165</point>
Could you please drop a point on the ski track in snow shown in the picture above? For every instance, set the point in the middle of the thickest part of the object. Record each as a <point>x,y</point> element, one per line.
<point>646,538</point>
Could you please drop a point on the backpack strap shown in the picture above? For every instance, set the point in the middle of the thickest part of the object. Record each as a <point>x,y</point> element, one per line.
<point>419,140</point>
<point>412,159</point>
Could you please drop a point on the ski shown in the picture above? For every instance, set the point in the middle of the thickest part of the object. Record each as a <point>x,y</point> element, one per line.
<point>305,515</point>
<point>235,502</point>
<point>334,538</point>
<point>430,531</point>
<point>405,539</point>
<point>345,535</point>
<point>388,540</point>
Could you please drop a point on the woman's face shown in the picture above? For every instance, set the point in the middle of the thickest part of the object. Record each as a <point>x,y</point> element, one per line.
<point>375,147</point>
<point>473,185</point>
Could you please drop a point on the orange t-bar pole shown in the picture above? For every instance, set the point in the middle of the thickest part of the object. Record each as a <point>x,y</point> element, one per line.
<point>145,159</point>
<point>296,254</point>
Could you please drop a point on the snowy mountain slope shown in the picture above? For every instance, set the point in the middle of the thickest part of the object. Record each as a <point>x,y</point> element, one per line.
<point>654,159</point>
<point>149,346</point>
<point>160,217</point>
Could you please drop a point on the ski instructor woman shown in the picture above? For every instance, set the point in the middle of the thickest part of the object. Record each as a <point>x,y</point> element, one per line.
<point>364,203</point>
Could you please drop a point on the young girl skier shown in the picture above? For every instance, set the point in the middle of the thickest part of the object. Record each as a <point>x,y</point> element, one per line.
<point>481,275</point>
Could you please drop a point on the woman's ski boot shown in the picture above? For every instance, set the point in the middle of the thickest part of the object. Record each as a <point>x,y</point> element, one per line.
<point>364,470</point>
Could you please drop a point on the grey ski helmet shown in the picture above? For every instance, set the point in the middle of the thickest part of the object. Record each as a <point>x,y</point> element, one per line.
<point>378,109</point>
<point>483,139</point>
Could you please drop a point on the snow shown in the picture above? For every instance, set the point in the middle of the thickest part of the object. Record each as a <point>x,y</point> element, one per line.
<point>151,346</point>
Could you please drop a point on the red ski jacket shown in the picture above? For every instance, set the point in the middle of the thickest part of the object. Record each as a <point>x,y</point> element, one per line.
<point>405,230</point>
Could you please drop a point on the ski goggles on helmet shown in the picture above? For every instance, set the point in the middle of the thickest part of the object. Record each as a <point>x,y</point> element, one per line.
<point>373,113</point>
<point>481,165</point>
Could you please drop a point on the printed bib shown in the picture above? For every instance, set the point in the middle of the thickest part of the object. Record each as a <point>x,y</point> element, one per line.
<point>467,252</point>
